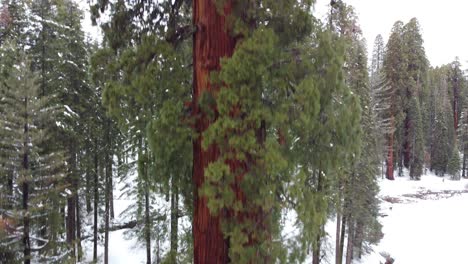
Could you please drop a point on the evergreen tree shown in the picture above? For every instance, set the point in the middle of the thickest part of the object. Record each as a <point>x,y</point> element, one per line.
<point>443,134</point>
<point>36,175</point>
<point>453,166</point>
<point>242,141</point>
<point>358,210</point>
<point>394,61</point>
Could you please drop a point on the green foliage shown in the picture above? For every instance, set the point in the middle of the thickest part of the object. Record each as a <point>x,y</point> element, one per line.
<point>25,119</point>
<point>453,166</point>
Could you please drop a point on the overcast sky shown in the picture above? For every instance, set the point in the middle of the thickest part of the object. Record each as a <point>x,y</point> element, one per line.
<point>443,24</point>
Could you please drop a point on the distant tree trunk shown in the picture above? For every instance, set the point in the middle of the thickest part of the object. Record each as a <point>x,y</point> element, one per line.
<point>316,251</point>
<point>456,99</point>
<point>350,246</point>
<point>25,190</point>
<point>174,222</point>
<point>338,238</point>
<point>407,142</point>
<point>78,229</point>
<point>96,203</point>
<point>358,238</point>
<point>390,164</point>
<point>88,196</point>
<point>111,196</point>
<point>464,164</point>
<point>342,238</point>
<point>147,215</point>
<point>211,42</point>
<point>107,208</point>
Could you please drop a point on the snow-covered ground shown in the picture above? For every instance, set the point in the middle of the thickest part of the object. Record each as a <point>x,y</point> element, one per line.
<point>423,222</point>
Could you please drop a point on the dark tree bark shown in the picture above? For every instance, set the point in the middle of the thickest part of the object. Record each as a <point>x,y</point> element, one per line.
<point>78,230</point>
<point>111,197</point>
<point>147,216</point>
<point>71,202</point>
<point>211,42</point>
<point>390,164</point>
<point>25,189</point>
<point>349,248</point>
<point>316,251</point>
<point>337,240</point>
<point>407,146</point>
<point>89,178</point>
<point>464,164</point>
<point>342,238</point>
<point>96,203</point>
<point>358,238</point>
<point>174,222</point>
<point>107,208</point>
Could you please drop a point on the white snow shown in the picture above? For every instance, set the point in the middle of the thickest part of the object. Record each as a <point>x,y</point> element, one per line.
<point>426,229</point>
<point>417,227</point>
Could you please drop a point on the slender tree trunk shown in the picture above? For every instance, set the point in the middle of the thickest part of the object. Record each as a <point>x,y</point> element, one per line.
<point>174,222</point>
<point>96,203</point>
<point>78,230</point>
<point>342,238</point>
<point>358,238</point>
<point>407,146</point>
<point>464,166</point>
<point>71,204</point>
<point>25,189</point>
<point>111,195</point>
<point>337,240</point>
<point>89,178</point>
<point>390,164</point>
<point>211,42</point>
<point>147,217</point>
<point>316,250</point>
<point>349,248</point>
<point>107,208</point>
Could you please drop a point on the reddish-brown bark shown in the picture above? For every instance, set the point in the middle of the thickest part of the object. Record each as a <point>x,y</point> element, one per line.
<point>212,41</point>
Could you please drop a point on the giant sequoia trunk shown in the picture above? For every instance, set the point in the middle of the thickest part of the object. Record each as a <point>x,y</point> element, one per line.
<point>211,42</point>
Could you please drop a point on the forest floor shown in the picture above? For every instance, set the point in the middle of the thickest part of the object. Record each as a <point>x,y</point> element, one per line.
<point>423,221</point>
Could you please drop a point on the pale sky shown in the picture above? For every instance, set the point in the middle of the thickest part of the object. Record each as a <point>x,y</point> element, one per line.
<point>443,24</point>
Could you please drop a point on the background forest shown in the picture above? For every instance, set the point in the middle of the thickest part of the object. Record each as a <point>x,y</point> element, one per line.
<point>226,122</point>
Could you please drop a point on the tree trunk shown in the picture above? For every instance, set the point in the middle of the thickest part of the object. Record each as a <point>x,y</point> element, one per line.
<point>107,209</point>
<point>407,146</point>
<point>342,238</point>
<point>211,42</point>
<point>111,196</point>
<point>337,240</point>
<point>349,248</point>
<point>358,238</point>
<point>390,164</point>
<point>96,203</point>
<point>25,189</point>
<point>316,251</point>
<point>174,222</point>
<point>78,230</point>
<point>147,216</point>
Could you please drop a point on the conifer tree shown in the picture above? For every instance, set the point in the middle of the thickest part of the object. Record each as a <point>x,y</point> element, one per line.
<point>358,209</point>
<point>38,175</point>
<point>453,166</point>
<point>393,62</point>
<point>236,210</point>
